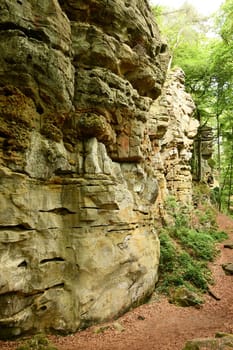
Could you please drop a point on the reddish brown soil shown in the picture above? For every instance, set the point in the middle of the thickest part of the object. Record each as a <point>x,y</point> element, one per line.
<point>160,325</point>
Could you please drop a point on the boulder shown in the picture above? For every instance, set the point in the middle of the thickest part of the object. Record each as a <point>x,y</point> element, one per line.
<point>218,343</point>
<point>228,268</point>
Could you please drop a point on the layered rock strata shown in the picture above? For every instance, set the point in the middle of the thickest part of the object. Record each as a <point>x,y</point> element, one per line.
<point>77,236</point>
<point>80,180</point>
<point>202,160</point>
<point>171,129</point>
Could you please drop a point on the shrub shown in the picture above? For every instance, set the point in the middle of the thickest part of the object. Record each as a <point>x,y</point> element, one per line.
<point>179,268</point>
<point>38,342</point>
<point>167,253</point>
<point>200,245</point>
<point>185,251</point>
<point>194,272</point>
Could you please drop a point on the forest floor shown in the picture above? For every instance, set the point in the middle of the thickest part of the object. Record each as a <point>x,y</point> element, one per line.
<point>160,325</point>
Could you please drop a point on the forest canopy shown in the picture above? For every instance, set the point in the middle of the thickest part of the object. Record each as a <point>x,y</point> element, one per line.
<point>203,48</point>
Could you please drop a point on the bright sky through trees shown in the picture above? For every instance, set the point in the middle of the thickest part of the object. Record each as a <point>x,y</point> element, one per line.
<point>205,7</point>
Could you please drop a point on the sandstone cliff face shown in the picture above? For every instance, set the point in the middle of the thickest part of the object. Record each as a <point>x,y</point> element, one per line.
<point>172,130</point>
<point>80,138</point>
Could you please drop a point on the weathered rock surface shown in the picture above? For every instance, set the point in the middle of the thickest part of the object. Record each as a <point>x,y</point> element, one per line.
<point>185,298</point>
<point>228,245</point>
<point>202,161</point>
<point>224,342</point>
<point>83,159</point>
<point>228,268</point>
<point>172,130</point>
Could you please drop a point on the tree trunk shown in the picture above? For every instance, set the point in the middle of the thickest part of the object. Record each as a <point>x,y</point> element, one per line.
<point>231,175</point>
<point>219,162</point>
<point>199,152</point>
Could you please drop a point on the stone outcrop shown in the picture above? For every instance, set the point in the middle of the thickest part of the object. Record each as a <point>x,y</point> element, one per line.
<point>221,341</point>
<point>202,159</point>
<point>172,129</point>
<point>86,156</point>
<point>228,268</point>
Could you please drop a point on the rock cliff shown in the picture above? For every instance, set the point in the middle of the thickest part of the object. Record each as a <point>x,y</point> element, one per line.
<point>90,144</point>
<point>172,130</point>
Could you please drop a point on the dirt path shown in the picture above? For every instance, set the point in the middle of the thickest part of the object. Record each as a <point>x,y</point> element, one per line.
<point>160,325</point>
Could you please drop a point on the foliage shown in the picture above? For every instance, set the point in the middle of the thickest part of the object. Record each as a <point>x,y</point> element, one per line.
<point>224,21</point>
<point>38,342</point>
<point>201,193</point>
<point>178,268</point>
<point>186,251</point>
<point>222,67</point>
<point>205,200</point>
<point>189,240</point>
<point>199,244</point>
<point>207,62</point>
<point>183,28</point>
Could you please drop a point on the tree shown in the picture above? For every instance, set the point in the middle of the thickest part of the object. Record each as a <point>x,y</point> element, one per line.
<point>222,80</point>
<point>208,66</point>
<point>182,27</point>
<point>186,34</point>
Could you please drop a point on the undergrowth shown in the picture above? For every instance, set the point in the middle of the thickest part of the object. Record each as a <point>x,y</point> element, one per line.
<point>38,342</point>
<point>187,245</point>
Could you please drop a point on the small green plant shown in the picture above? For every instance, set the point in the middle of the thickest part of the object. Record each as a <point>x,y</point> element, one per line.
<point>201,193</point>
<point>179,214</point>
<point>206,216</point>
<point>186,251</point>
<point>199,244</point>
<point>38,342</point>
<point>194,272</point>
<point>167,253</point>
<point>219,236</point>
<point>179,268</point>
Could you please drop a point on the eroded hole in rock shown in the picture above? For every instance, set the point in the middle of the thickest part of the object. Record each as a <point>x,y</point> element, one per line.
<point>39,34</point>
<point>61,2</point>
<point>163,48</point>
<point>39,110</point>
<point>109,206</point>
<point>63,172</point>
<point>8,92</point>
<point>20,227</point>
<point>59,211</point>
<point>44,261</point>
<point>43,308</point>
<point>23,264</point>
<point>29,57</point>
<point>60,285</point>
